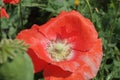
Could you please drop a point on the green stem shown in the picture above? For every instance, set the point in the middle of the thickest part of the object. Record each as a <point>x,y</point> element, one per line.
<point>89,6</point>
<point>20,15</point>
<point>112,27</point>
<point>33,5</point>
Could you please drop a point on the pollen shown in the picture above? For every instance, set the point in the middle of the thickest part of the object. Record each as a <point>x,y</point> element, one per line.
<point>59,50</point>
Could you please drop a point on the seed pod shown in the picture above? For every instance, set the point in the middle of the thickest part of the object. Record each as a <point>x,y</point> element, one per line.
<point>15,64</point>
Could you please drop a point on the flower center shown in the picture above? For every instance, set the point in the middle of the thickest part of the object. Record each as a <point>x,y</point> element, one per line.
<point>59,50</point>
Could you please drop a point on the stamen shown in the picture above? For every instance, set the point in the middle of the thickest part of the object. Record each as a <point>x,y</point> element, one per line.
<point>59,50</point>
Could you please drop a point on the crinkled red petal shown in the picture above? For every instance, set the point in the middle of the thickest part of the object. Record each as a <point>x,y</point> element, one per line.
<point>38,63</point>
<point>37,42</point>
<point>73,27</point>
<point>52,72</point>
<point>89,64</point>
<point>79,58</point>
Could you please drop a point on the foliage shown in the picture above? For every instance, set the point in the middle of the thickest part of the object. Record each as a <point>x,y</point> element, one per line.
<point>105,14</point>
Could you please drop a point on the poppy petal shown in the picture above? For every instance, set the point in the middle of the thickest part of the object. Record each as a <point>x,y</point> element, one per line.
<point>38,63</point>
<point>36,42</point>
<point>3,13</point>
<point>69,65</point>
<point>71,26</point>
<point>87,70</point>
<point>52,72</point>
<point>91,62</point>
<point>93,59</point>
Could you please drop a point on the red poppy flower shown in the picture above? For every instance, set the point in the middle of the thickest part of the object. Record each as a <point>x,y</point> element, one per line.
<point>69,43</point>
<point>3,13</point>
<point>11,1</point>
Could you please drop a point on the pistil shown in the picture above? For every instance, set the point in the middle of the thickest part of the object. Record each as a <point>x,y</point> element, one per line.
<point>59,50</point>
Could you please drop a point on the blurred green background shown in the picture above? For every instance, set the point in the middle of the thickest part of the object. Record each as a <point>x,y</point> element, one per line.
<point>105,14</point>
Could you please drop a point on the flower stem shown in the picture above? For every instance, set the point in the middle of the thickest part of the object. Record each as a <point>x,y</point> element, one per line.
<point>20,14</point>
<point>112,27</point>
<point>89,6</point>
